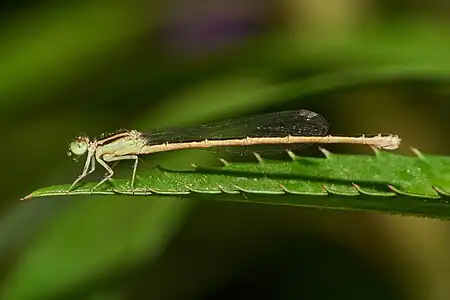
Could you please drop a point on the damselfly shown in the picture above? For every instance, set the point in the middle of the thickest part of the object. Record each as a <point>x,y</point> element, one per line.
<point>280,128</point>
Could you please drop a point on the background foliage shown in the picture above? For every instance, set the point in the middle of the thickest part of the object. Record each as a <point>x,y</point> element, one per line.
<point>367,66</point>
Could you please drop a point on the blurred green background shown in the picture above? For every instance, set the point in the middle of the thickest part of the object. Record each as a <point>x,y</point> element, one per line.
<point>94,66</point>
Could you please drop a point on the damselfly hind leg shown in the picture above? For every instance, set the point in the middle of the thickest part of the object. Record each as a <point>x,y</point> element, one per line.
<point>110,171</point>
<point>133,176</point>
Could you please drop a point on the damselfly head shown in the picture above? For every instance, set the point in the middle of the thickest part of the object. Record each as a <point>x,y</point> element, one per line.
<point>79,146</point>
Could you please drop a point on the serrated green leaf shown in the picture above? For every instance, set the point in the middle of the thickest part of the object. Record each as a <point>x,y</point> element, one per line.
<point>384,181</point>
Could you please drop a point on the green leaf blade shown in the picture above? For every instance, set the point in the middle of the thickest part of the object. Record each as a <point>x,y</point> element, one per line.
<point>384,182</point>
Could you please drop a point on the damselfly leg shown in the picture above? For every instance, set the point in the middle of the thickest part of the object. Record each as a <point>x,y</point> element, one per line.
<point>107,158</point>
<point>90,160</point>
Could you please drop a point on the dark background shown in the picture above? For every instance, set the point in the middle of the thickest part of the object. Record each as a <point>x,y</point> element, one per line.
<point>94,66</point>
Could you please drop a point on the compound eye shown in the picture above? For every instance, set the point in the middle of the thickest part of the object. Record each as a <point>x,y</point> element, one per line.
<point>79,146</point>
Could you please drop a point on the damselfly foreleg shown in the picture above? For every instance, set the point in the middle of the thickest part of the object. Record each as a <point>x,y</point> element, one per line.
<point>90,160</point>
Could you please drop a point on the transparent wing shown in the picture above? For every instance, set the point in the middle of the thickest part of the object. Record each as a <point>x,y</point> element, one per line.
<point>279,124</point>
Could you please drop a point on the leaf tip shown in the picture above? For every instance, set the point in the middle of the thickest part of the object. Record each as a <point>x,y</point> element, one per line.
<point>239,189</point>
<point>224,162</point>
<point>397,191</point>
<point>27,197</point>
<point>258,158</point>
<point>418,153</point>
<point>284,189</point>
<point>189,189</point>
<point>441,192</point>
<point>356,187</point>
<point>393,188</point>
<point>292,155</point>
<point>325,188</point>
<point>325,152</point>
<point>223,190</point>
<point>375,150</point>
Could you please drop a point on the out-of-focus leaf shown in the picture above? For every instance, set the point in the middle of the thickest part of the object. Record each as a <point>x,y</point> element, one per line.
<point>41,52</point>
<point>82,245</point>
<point>409,42</point>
